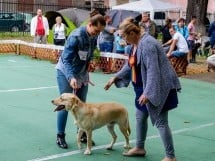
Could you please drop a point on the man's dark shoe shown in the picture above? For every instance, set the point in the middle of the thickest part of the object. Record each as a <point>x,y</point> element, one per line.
<point>61,142</point>
<point>84,140</point>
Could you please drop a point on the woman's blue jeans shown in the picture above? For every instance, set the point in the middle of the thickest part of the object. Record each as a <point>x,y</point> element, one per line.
<point>64,87</point>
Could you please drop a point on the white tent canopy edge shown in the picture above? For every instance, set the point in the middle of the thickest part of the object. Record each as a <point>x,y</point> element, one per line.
<point>150,6</point>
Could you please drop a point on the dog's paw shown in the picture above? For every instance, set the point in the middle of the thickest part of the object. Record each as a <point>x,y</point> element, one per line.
<point>127,146</point>
<point>79,146</point>
<point>75,122</point>
<point>87,152</point>
<point>110,147</point>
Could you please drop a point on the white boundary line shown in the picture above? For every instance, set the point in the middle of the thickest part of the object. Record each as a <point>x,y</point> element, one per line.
<point>26,89</point>
<point>55,156</point>
<point>20,66</point>
<point>13,61</point>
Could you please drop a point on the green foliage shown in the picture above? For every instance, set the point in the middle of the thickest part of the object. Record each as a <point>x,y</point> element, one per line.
<point>96,54</point>
<point>159,36</point>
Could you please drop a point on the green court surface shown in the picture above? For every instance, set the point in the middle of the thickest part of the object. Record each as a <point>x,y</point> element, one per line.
<point>28,123</point>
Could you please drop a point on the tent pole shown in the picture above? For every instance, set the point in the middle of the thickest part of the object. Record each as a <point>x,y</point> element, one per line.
<point>91,5</point>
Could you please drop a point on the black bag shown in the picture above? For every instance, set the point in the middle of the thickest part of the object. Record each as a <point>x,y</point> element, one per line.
<point>59,42</point>
<point>171,101</point>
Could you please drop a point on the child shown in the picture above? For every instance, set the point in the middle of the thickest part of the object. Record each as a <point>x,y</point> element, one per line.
<point>120,43</point>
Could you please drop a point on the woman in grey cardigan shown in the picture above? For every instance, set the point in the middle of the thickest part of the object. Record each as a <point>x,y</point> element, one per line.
<point>155,84</point>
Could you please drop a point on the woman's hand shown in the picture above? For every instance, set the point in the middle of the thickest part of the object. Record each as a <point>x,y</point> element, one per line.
<point>143,100</point>
<point>109,83</point>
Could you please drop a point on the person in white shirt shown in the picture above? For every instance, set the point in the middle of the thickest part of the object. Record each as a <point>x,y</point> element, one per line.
<point>211,60</point>
<point>178,41</point>
<point>59,30</point>
<point>39,28</point>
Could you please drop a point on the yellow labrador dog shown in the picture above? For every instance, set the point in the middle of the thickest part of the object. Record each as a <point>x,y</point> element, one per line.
<point>91,116</point>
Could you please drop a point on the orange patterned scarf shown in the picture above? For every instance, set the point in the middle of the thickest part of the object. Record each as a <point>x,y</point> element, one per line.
<point>132,62</point>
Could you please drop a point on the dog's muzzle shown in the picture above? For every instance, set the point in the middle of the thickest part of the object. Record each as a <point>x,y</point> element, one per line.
<point>59,108</point>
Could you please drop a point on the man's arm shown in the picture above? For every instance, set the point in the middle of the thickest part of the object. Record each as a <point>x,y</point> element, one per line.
<point>172,47</point>
<point>168,42</point>
<point>33,26</point>
<point>46,26</point>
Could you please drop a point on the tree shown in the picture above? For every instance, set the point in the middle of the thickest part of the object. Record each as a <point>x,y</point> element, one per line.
<point>199,9</point>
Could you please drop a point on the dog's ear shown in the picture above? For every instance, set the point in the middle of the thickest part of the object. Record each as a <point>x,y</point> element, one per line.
<point>74,103</point>
<point>75,100</point>
<point>59,108</point>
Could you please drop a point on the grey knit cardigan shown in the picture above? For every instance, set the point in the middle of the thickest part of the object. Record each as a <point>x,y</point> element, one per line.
<point>158,75</point>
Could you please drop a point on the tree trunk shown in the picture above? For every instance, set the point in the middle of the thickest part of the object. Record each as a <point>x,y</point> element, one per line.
<point>197,8</point>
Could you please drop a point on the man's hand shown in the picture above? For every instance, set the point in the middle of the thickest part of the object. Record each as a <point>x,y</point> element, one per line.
<point>168,55</point>
<point>91,67</point>
<point>112,30</point>
<point>73,83</point>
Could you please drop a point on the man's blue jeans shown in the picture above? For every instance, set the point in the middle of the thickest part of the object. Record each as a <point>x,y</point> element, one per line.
<point>178,54</point>
<point>64,87</point>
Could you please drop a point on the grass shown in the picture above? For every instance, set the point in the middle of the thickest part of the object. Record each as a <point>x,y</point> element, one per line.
<point>25,36</point>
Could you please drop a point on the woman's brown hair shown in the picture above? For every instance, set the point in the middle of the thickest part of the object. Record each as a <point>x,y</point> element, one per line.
<point>128,25</point>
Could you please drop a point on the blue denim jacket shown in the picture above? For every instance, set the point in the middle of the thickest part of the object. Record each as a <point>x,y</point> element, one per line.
<point>78,51</point>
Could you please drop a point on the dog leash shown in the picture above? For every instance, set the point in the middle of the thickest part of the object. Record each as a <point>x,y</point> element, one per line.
<point>87,82</point>
<point>74,91</point>
<point>91,83</point>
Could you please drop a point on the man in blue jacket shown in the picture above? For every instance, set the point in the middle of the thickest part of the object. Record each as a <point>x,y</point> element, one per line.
<point>211,34</point>
<point>73,65</point>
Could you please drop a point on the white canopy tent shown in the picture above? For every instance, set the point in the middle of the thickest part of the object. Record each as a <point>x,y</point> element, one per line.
<point>148,6</point>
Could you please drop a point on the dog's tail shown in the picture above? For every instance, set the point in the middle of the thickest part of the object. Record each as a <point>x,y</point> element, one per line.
<point>129,130</point>
<point>128,127</point>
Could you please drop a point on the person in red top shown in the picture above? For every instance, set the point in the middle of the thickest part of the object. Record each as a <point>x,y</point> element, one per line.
<point>39,28</point>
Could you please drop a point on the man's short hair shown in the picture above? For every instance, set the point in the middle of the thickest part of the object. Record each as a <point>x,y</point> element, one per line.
<point>181,19</point>
<point>146,13</point>
<point>193,17</point>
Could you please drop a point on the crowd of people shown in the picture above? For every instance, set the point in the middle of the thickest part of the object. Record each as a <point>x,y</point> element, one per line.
<point>110,39</point>
<point>181,38</point>
<point>153,78</point>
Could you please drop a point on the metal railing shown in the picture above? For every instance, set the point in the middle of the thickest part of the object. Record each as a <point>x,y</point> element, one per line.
<point>16,15</point>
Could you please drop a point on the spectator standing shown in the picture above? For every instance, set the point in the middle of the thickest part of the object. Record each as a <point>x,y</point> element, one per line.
<point>165,31</point>
<point>148,25</point>
<point>120,43</point>
<point>211,34</point>
<point>207,23</point>
<point>211,60</point>
<point>59,30</point>
<point>39,28</point>
<point>182,28</point>
<point>73,68</point>
<point>191,38</point>
<point>106,37</point>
